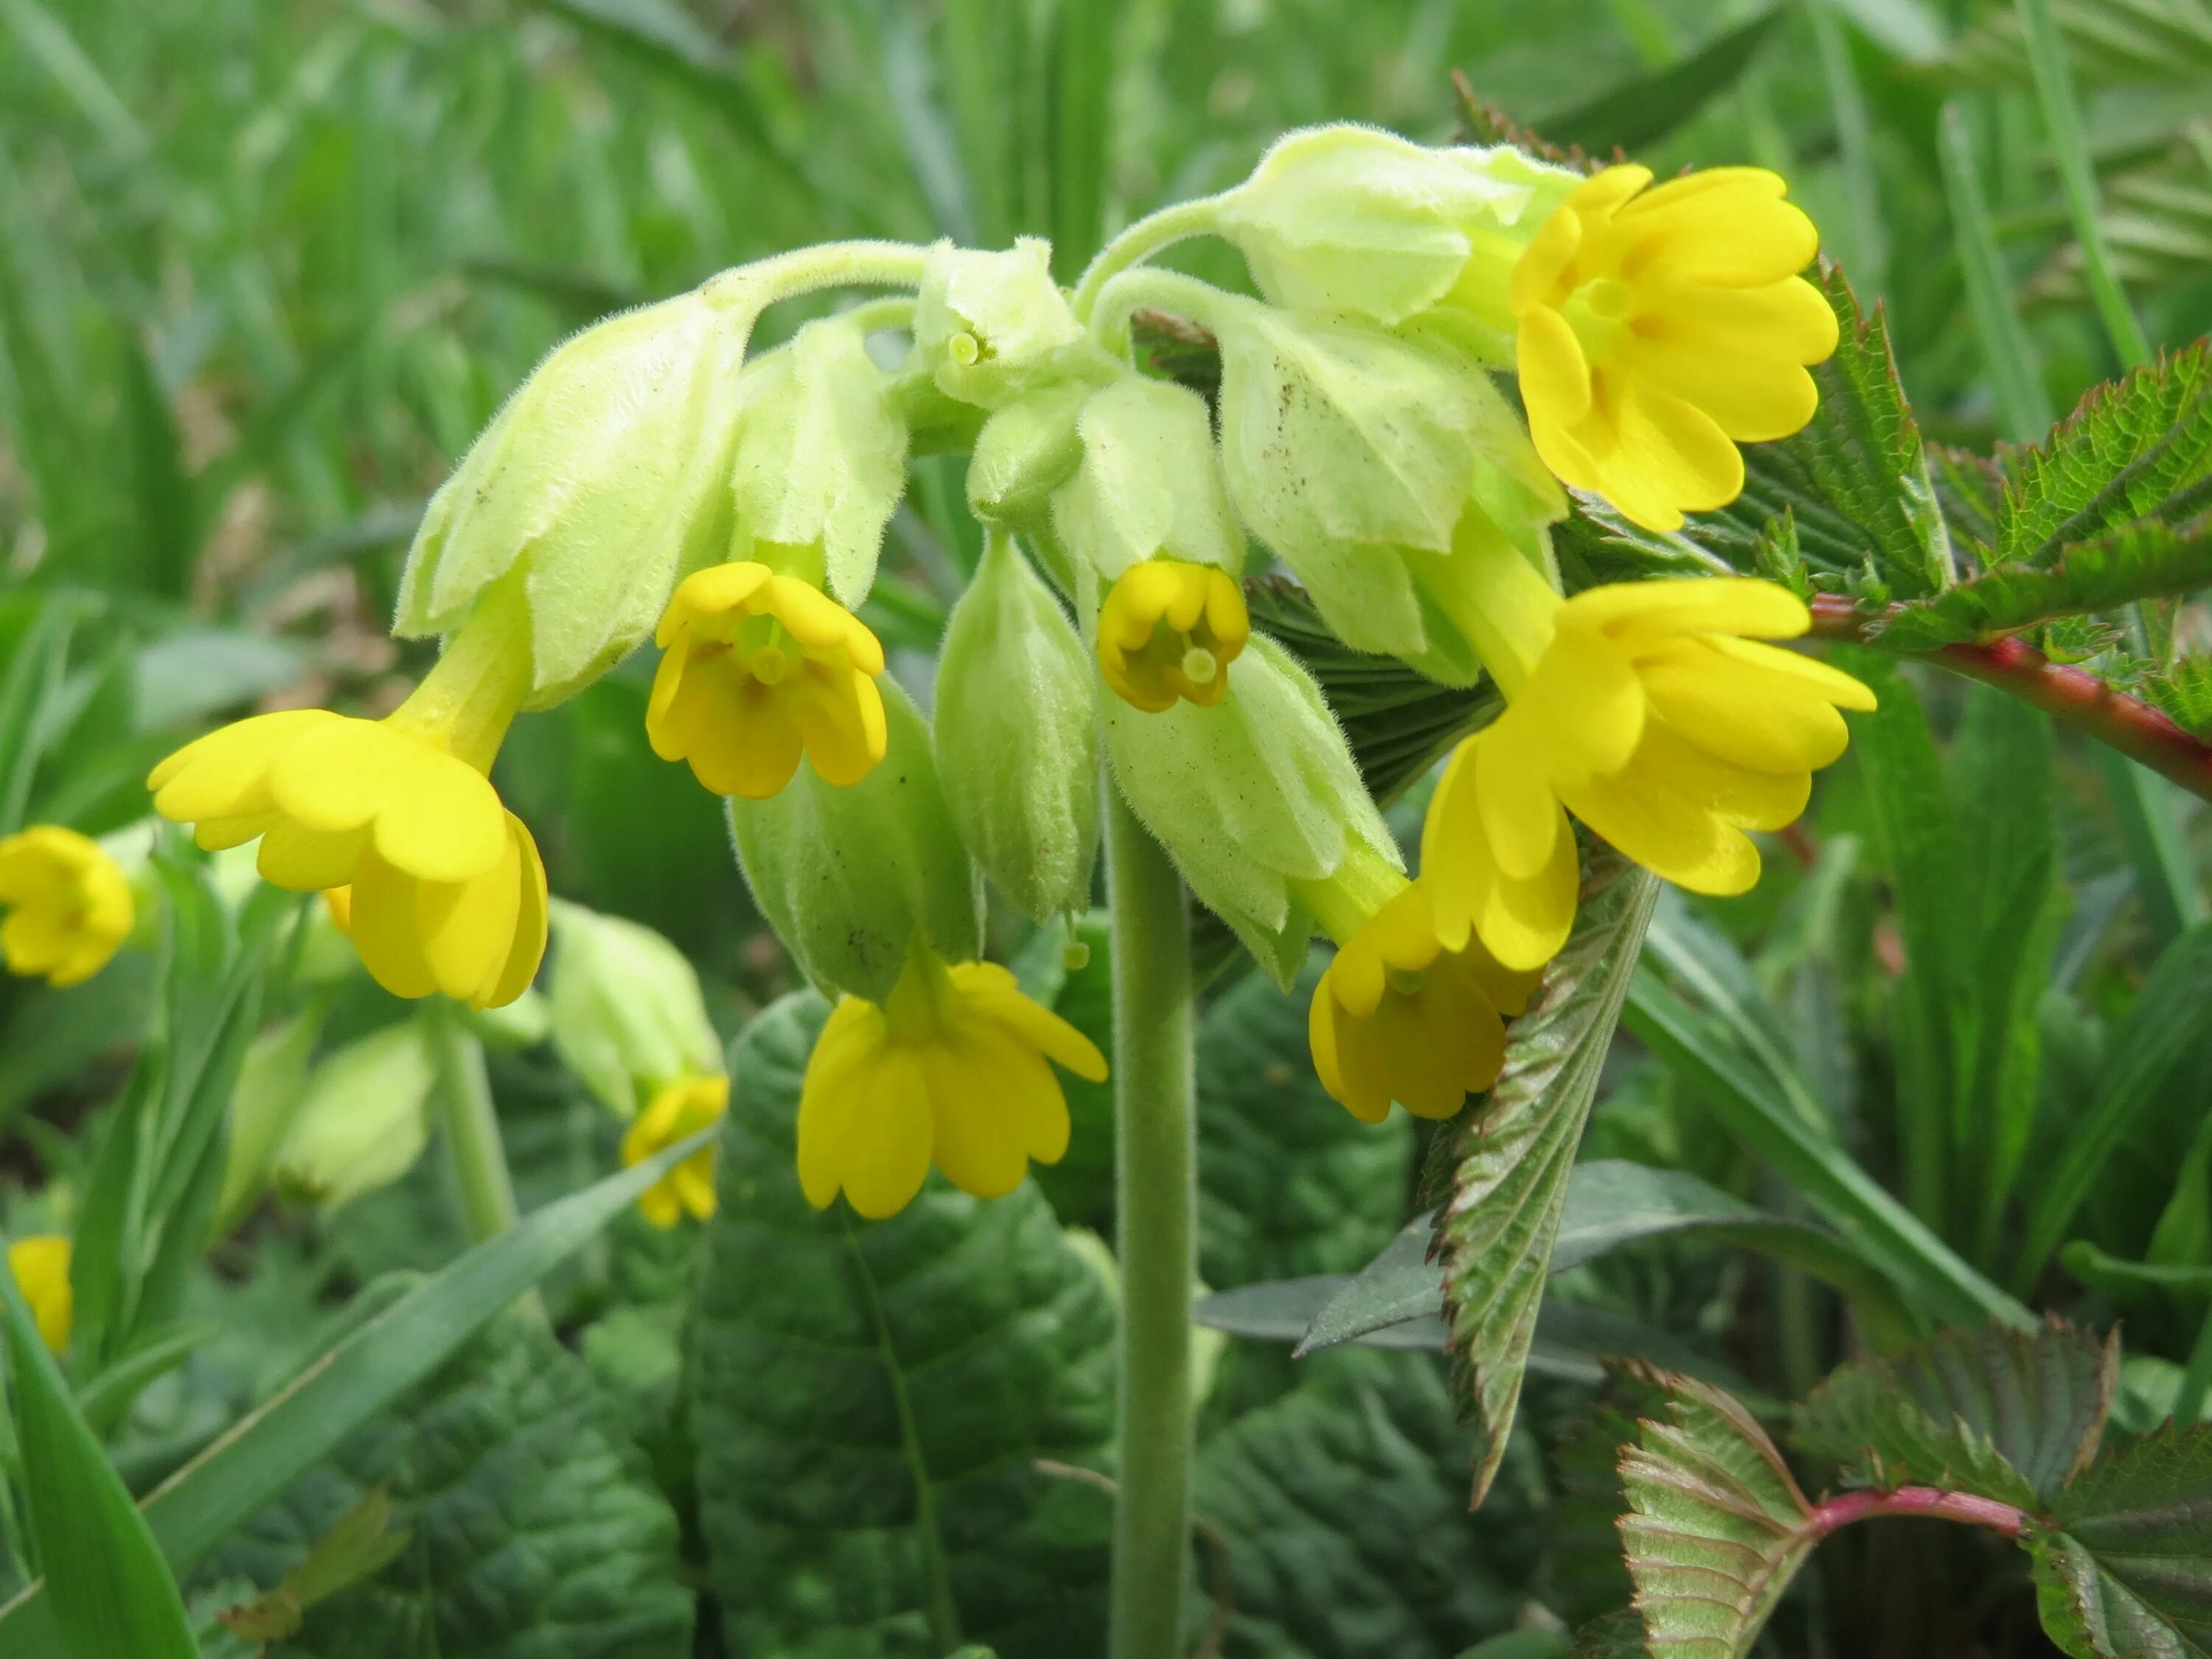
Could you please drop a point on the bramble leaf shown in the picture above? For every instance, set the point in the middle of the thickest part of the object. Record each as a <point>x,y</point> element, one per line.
<point>2128,1570</point>
<point>1510,1161</point>
<point>2002,1413</point>
<point>1716,1527</point>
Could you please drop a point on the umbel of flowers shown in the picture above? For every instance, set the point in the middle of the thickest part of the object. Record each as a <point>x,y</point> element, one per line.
<point>651,479</point>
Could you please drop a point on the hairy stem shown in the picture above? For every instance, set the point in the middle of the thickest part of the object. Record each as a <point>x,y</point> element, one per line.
<point>1139,242</point>
<point>1156,1204</point>
<point>2072,695</point>
<point>832,264</point>
<point>1920,1500</point>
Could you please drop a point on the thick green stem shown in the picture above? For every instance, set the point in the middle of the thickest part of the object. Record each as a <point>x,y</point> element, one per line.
<point>1155,1203</point>
<point>473,1141</point>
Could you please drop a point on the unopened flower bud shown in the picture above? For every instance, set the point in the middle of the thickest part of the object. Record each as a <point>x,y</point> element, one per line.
<point>1018,735</point>
<point>1026,451</point>
<point>628,1015</point>
<point>1362,459</point>
<point>1250,797</point>
<point>271,1084</point>
<point>819,460</point>
<point>363,1120</point>
<point>990,326</point>
<point>604,476</point>
<point>848,876</point>
<point>1149,485</point>
<point>1351,221</point>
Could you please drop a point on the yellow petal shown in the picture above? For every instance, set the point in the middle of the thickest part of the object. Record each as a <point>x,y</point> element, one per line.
<point>974,1091</point>
<point>850,1044</point>
<point>711,593</point>
<point>384,928</point>
<point>468,928</point>
<point>994,992</point>
<point>1651,611</point>
<point>750,746</point>
<point>1760,722</point>
<point>840,717</point>
<point>224,774</point>
<point>1513,792</point>
<point>1555,378</point>
<point>1833,683</point>
<point>435,816</point>
<point>891,1134</point>
<point>528,948</point>
<point>309,860</point>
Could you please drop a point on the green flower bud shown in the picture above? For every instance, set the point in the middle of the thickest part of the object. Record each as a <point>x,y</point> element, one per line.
<point>990,326</point>
<point>1348,220</point>
<point>1356,454</point>
<point>1149,485</point>
<point>847,875</point>
<point>271,1082</point>
<point>363,1119</point>
<point>1025,452</point>
<point>819,462</point>
<point>1018,735</point>
<point>607,474</point>
<point>1249,796</point>
<point>628,1015</point>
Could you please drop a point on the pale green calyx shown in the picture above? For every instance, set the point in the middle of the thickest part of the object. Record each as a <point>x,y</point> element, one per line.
<point>606,475</point>
<point>363,1119</point>
<point>1018,735</point>
<point>271,1084</point>
<point>990,326</point>
<point>1249,796</point>
<point>848,876</point>
<point>1149,483</point>
<point>627,1013</point>
<point>818,461</point>
<point>1348,219</point>
<point>1355,454</point>
<point>1027,450</point>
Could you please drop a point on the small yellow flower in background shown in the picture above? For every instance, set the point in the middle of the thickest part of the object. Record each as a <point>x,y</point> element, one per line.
<point>69,904</point>
<point>446,890</point>
<point>1170,630</point>
<point>1643,709</point>
<point>677,1113</point>
<point>1399,1015</point>
<point>758,669</point>
<point>1660,328</point>
<point>41,1265</point>
<point>952,1067</point>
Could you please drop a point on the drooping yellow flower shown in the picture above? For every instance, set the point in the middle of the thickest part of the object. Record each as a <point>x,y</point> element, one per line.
<point>1648,710</point>
<point>1657,329</point>
<point>447,892</point>
<point>69,904</point>
<point>1399,1015</point>
<point>1170,629</point>
<point>759,669</point>
<point>952,1067</point>
<point>677,1112</point>
<point>41,1265</point>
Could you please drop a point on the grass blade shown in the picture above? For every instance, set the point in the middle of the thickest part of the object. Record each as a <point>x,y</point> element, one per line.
<point>109,1590</point>
<point>202,1502</point>
<point>2016,376</point>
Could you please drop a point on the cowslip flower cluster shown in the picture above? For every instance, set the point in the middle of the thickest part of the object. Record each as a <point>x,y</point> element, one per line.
<point>651,478</point>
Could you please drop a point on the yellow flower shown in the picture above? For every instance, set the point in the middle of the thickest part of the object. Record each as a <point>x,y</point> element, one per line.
<point>1641,708</point>
<point>952,1066</point>
<point>759,668</point>
<point>69,903</point>
<point>1170,629</point>
<point>1659,329</point>
<point>677,1113</point>
<point>41,1267</point>
<point>1399,1015</point>
<point>447,892</point>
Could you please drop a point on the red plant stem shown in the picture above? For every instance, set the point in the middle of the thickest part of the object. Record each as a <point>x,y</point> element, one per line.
<point>1920,1500</point>
<point>2073,694</point>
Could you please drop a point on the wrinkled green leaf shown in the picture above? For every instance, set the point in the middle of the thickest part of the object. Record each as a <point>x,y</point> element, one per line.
<point>871,1402</point>
<point>2128,1570</point>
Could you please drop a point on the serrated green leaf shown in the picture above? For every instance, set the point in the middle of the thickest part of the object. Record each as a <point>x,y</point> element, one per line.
<point>1998,1412</point>
<point>2137,561</point>
<point>1510,1162</point>
<point>535,1532</point>
<point>2128,1570</point>
<point>1854,486</point>
<point>1582,1572</point>
<point>1716,1527</point>
<point>1341,1512</point>
<point>1290,1183</point>
<point>871,1402</point>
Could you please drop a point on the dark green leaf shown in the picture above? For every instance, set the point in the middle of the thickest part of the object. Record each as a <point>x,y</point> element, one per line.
<point>2001,1414</point>
<point>2128,1569</point>
<point>535,1528</point>
<point>1508,1171</point>
<point>871,1402</point>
